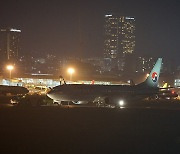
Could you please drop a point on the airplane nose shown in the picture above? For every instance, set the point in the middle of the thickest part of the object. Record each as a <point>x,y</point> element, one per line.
<point>27,91</point>
<point>50,93</point>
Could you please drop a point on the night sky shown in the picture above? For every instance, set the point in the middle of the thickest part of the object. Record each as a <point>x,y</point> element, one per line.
<point>75,28</point>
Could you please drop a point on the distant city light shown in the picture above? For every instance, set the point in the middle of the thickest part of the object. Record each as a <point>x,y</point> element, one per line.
<point>129,18</point>
<point>108,15</point>
<point>15,30</point>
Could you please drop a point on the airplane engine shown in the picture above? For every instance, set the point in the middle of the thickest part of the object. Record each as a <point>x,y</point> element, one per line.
<point>80,102</point>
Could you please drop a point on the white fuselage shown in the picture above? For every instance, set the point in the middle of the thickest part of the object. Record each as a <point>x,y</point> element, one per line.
<point>95,93</point>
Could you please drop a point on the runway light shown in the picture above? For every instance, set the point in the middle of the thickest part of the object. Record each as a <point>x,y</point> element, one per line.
<point>121,102</point>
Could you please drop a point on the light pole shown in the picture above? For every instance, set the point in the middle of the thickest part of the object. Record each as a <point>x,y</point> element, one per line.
<point>10,68</point>
<point>71,71</point>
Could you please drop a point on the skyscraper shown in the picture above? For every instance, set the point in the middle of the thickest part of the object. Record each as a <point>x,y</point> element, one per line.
<point>119,39</point>
<point>9,44</point>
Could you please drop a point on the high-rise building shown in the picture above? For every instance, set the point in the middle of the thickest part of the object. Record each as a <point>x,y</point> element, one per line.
<point>119,39</point>
<point>9,44</point>
<point>144,64</point>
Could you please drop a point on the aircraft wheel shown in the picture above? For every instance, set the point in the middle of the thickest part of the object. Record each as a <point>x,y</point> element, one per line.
<point>156,97</point>
<point>58,103</point>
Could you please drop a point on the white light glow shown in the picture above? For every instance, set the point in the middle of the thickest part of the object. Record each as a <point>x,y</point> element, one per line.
<point>121,102</point>
<point>108,15</point>
<point>10,67</point>
<point>71,70</point>
<point>129,18</point>
<point>15,30</point>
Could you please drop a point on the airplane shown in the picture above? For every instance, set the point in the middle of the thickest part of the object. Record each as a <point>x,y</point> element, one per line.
<point>167,92</point>
<point>12,90</point>
<point>108,94</point>
<point>12,93</point>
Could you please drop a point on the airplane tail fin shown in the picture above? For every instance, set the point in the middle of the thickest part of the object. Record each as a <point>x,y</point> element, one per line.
<point>152,79</point>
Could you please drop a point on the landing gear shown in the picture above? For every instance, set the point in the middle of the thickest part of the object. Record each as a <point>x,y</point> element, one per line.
<point>98,104</point>
<point>156,97</point>
<point>58,103</point>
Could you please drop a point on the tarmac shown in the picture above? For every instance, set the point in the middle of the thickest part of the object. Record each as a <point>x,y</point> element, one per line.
<point>74,129</point>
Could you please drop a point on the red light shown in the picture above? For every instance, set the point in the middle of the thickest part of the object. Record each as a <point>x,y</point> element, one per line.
<point>92,82</point>
<point>173,92</point>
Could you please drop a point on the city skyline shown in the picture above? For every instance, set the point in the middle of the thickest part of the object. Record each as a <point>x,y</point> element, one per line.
<point>76,28</point>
